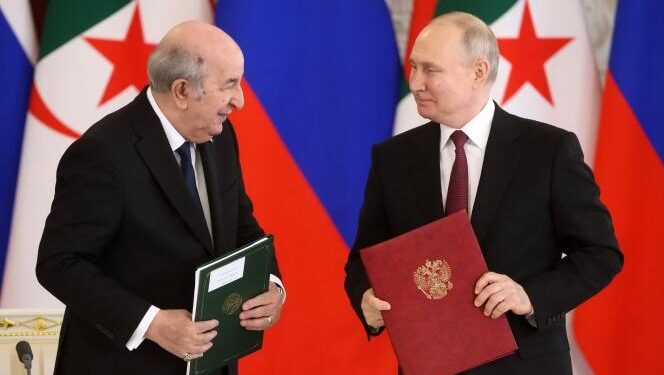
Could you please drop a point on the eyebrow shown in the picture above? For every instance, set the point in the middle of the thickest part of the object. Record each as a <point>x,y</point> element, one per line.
<point>232,81</point>
<point>424,64</point>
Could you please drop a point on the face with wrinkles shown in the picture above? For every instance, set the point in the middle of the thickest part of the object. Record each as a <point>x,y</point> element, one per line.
<point>198,111</point>
<point>443,83</point>
<point>220,95</point>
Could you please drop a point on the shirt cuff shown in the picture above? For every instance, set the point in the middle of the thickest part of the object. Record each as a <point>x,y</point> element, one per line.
<point>139,334</point>
<point>277,281</point>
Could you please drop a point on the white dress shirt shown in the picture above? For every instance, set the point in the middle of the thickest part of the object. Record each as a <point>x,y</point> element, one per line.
<point>176,140</point>
<point>477,130</point>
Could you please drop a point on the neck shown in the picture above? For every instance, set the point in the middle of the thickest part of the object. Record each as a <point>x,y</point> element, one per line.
<point>168,108</point>
<point>459,119</point>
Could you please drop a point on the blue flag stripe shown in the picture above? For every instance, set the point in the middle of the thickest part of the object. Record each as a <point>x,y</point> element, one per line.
<point>16,74</point>
<point>328,78</point>
<point>635,61</point>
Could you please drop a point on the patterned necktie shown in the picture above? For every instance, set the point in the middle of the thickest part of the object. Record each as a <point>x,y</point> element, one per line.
<point>457,190</point>
<point>188,173</point>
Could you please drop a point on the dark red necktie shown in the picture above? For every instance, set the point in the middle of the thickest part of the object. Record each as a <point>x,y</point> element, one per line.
<point>457,190</point>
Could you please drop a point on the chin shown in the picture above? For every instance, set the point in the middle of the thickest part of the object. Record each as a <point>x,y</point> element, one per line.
<point>424,113</point>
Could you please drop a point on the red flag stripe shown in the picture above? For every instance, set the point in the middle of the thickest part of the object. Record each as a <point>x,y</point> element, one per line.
<point>423,12</point>
<point>617,330</point>
<point>318,327</point>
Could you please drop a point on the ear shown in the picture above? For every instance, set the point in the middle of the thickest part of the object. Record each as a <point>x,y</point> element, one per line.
<point>480,73</point>
<point>181,93</point>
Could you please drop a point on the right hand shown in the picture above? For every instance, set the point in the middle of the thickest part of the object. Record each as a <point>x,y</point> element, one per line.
<point>372,307</point>
<point>174,331</point>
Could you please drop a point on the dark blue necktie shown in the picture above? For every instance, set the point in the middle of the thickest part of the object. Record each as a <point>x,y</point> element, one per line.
<point>188,173</point>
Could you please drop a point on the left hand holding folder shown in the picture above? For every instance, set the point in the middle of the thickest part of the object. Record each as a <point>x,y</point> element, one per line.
<point>262,311</point>
<point>500,294</point>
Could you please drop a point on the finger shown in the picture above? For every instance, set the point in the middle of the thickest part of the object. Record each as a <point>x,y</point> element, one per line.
<point>378,304</point>
<point>261,299</point>
<point>204,338</point>
<point>198,350</point>
<point>256,324</point>
<point>492,302</point>
<point>487,292</point>
<point>501,309</point>
<point>486,279</point>
<point>257,312</point>
<point>376,323</point>
<point>206,325</point>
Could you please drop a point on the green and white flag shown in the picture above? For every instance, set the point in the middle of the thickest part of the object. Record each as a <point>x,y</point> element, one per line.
<point>93,57</point>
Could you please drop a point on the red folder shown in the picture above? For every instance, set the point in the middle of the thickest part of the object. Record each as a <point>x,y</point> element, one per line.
<point>428,276</point>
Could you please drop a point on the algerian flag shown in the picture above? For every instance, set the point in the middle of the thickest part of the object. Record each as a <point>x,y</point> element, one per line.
<point>547,71</point>
<point>92,61</point>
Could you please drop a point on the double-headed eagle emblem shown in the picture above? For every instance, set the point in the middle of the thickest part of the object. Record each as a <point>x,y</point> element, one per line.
<point>433,278</point>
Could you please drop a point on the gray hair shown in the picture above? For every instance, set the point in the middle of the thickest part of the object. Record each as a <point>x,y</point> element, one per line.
<point>478,40</point>
<point>168,63</point>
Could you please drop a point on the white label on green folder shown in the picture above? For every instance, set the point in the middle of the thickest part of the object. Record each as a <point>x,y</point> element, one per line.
<point>226,274</point>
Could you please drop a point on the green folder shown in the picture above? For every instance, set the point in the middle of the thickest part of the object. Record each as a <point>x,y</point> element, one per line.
<point>222,285</point>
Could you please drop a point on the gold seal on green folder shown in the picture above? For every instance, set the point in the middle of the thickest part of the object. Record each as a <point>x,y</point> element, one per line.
<point>232,303</point>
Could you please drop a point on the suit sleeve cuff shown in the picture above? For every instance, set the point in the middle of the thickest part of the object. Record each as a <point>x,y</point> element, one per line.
<point>139,334</point>
<point>280,286</point>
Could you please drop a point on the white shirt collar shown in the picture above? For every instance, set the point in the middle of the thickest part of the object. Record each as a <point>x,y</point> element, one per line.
<point>175,139</point>
<point>477,129</point>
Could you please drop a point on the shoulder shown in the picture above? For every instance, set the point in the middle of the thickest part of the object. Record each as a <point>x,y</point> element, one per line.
<point>114,136</point>
<point>411,139</point>
<point>529,129</point>
<point>123,122</point>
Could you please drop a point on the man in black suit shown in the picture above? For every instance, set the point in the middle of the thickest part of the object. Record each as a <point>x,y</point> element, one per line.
<point>530,195</point>
<point>146,195</point>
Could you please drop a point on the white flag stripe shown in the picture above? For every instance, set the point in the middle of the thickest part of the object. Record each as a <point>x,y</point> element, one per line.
<point>19,17</point>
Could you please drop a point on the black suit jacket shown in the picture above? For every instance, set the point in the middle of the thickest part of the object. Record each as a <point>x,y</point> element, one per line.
<point>536,201</point>
<point>124,234</point>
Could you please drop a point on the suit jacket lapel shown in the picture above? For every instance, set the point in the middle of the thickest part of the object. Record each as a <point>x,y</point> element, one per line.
<point>424,169</point>
<point>212,180</point>
<point>154,148</point>
<point>501,160</point>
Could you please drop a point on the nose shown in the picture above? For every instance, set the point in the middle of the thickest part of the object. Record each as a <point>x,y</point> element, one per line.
<point>416,82</point>
<point>237,100</point>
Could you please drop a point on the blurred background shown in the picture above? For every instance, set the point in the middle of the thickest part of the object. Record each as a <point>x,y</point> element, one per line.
<point>324,81</point>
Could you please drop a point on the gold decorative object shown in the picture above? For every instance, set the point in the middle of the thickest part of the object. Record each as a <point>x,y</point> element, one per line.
<point>36,326</point>
<point>232,303</point>
<point>6,323</point>
<point>434,278</point>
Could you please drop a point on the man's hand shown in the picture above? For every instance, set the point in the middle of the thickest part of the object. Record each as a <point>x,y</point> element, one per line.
<point>372,307</point>
<point>500,294</point>
<point>262,311</point>
<point>174,331</point>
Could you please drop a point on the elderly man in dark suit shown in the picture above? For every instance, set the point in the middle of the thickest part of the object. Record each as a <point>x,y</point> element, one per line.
<point>146,195</point>
<point>530,196</point>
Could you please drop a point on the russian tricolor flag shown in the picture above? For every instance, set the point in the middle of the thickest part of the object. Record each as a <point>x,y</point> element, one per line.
<point>322,82</point>
<point>620,331</point>
<point>18,46</point>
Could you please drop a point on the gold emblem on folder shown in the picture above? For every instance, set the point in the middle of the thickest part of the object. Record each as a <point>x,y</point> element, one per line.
<point>232,303</point>
<point>433,278</point>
